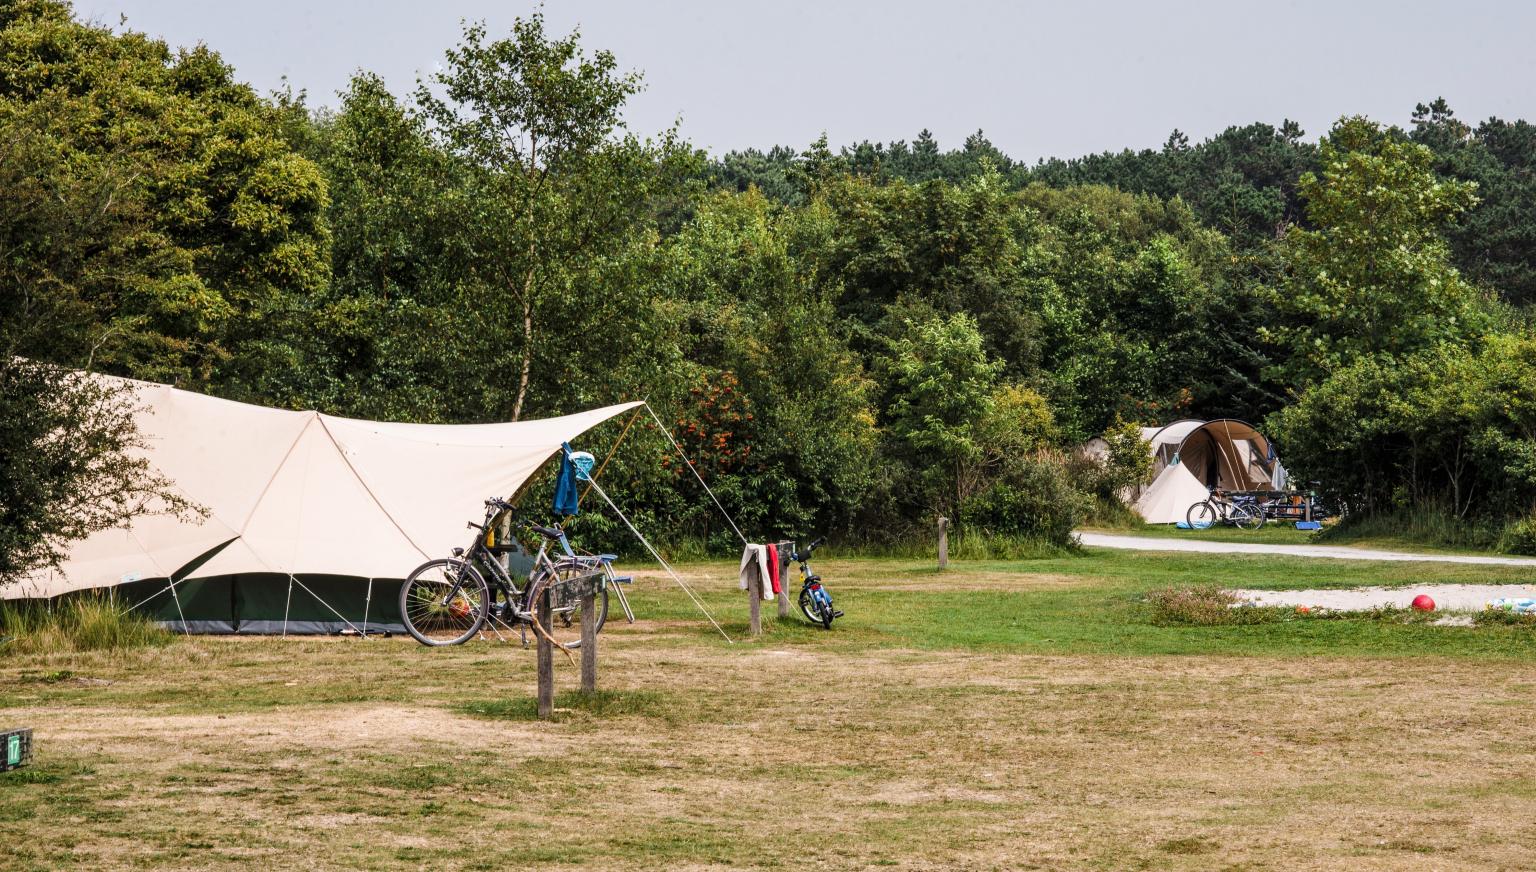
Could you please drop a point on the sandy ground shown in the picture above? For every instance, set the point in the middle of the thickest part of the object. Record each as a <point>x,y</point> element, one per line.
<point>1138,543</point>
<point>1447,597</point>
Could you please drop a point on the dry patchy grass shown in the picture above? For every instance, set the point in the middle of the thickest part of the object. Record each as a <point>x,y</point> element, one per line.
<point>804,750</point>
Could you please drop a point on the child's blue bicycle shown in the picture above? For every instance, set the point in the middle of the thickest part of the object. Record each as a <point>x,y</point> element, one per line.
<point>815,602</point>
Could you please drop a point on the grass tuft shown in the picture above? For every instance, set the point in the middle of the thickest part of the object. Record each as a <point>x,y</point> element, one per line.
<point>80,623</point>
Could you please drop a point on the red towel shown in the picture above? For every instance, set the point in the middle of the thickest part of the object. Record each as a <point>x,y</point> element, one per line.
<point>773,566</point>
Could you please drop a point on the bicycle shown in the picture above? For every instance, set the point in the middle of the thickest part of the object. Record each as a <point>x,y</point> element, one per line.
<point>448,600</point>
<point>815,601</point>
<point>1219,509</point>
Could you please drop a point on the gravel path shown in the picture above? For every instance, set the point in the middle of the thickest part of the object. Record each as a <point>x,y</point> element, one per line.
<point>1327,552</point>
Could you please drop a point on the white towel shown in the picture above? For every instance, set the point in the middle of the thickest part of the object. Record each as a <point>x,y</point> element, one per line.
<point>754,570</point>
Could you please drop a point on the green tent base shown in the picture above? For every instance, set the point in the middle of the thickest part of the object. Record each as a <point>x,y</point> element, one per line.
<point>277,604</point>
<point>269,604</point>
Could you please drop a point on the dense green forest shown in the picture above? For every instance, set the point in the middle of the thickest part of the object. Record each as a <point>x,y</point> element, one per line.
<point>849,341</point>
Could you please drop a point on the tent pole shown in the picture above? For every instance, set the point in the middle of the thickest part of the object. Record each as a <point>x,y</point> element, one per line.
<point>611,451</point>
<point>367,601</point>
<point>287,605</point>
<point>177,597</point>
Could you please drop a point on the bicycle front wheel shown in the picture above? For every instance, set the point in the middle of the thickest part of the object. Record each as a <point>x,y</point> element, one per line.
<point>443,602</point>
<point>1202,515</point>
<point>811,608</point>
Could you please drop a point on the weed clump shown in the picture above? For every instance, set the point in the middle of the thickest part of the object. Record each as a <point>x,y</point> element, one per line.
<point>1205,606</point>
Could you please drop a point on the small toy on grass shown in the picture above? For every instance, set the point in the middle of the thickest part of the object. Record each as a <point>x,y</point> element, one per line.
<point>1513,605</point>
<point>1423,603</point>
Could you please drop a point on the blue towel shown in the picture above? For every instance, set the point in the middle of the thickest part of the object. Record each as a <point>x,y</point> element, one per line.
<point>566,496</point>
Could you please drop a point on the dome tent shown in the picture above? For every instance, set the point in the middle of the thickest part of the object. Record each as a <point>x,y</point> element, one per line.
<point>1191,457</point>
<point>310,517</point>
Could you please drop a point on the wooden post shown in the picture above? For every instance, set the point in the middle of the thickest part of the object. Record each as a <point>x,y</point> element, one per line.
<point>783,578</point>
<point>589,643</point>
<point>546,658</point>
<point>755,602</point>
<point>943,542</point>
<point>1309,507</point>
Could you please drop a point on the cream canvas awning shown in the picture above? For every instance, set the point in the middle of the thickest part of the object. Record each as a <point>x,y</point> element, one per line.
<point>305,493</point>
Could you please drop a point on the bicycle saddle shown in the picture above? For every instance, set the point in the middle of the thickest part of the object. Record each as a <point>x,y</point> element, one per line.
<point>546,532</point>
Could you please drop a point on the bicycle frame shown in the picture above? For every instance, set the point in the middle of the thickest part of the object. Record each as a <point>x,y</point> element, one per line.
<point>501,578</point>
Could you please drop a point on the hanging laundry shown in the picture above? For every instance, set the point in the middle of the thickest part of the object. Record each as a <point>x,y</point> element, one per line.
<point>773,566</point>
<point>567,498</point>
<point>754,570</point>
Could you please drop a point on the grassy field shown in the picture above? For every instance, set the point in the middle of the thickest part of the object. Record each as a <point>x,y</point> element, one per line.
<point>1001,715</point>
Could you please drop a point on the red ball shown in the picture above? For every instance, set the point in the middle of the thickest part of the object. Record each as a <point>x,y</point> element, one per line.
<point>1423,603</point>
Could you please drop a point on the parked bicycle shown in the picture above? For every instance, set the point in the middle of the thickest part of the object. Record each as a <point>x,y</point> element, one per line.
<point>448,600</point>
<point>1220,508</point>
<point>815,601</point>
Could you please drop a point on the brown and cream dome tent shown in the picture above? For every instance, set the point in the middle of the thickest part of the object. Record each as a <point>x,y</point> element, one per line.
<point>1190,458</point>
<point>313,520</point>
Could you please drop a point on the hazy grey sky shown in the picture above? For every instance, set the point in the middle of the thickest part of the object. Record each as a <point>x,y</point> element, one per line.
<point>1041,78</point>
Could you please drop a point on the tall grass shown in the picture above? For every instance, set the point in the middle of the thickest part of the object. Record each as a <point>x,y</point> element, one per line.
<point>77,623</point>
<point>1423,525</point>
<point>1111,514</point>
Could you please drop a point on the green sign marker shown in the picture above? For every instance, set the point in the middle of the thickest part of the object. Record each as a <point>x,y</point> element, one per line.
<point>12,750</point>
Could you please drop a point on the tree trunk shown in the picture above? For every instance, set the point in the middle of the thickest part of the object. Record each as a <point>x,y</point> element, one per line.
<point>522,379</point>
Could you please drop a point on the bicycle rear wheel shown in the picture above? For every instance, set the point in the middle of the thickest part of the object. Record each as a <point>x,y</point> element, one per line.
<point>565,622</point>
<point>1246,516</point>
<point>443,602</point>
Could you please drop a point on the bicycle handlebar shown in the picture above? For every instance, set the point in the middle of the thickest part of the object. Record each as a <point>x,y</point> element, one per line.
<point>805,555</point>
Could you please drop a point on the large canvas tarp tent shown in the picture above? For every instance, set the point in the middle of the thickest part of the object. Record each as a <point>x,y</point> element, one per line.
<point>313,520</point>
<point>1190,458</point>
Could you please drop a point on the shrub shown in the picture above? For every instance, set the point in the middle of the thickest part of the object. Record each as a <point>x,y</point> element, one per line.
<point>77,623</point>
<point>1032,499</point>
<point>1519,536</point>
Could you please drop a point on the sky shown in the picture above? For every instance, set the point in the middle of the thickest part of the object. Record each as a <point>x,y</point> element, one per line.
<point>1041,79</point>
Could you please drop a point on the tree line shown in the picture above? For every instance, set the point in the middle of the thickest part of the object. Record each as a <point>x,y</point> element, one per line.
<point>846,341</point>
